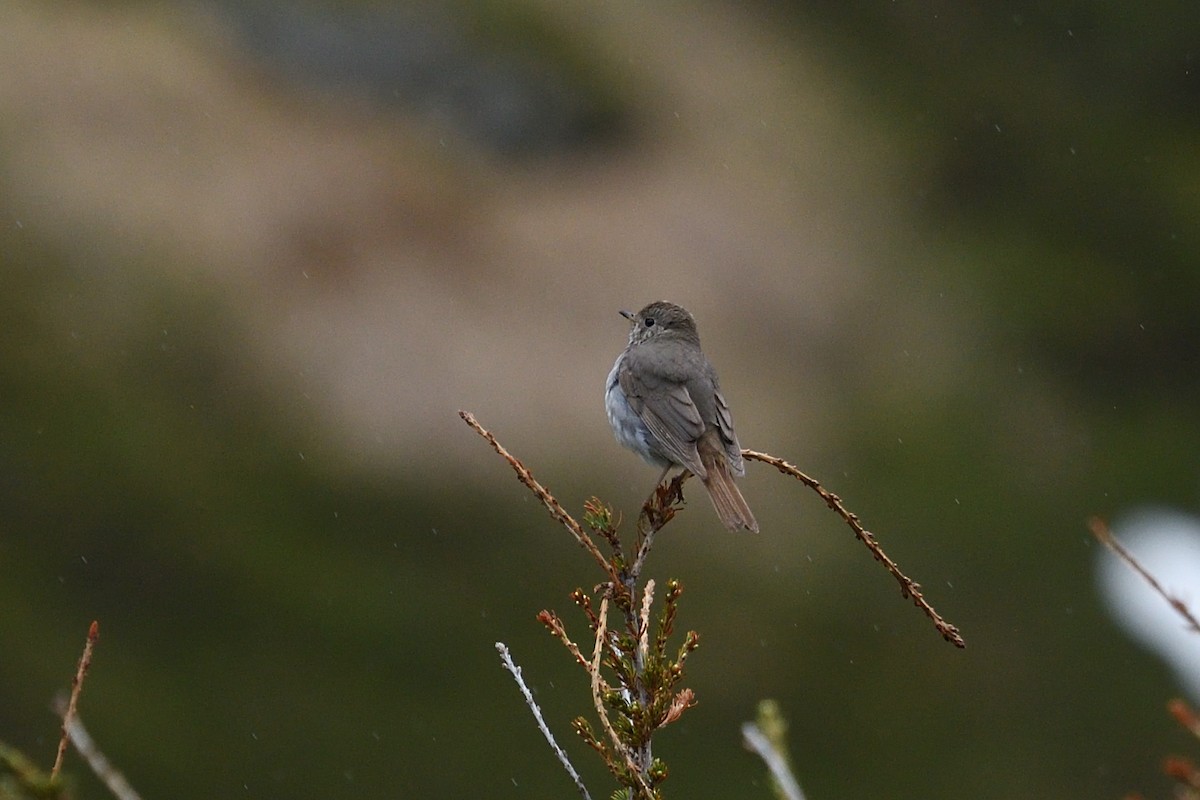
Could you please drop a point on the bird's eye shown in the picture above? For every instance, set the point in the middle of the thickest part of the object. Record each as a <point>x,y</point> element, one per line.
<point>649,322</point>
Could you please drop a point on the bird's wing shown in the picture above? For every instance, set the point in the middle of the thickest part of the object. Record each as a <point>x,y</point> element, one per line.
<point>733,449</point>
<point>666,408</point>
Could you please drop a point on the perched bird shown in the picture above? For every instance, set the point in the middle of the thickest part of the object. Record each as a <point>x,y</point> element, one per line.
<point>664,403</point>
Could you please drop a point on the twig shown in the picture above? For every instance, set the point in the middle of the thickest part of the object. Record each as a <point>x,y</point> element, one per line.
<point>1100,530</point>
<point>598,702</point>
<point>541,723</point>
<point>555,626</point>
<point>757,742</point>
<point>86,747</point>
<point>598,689</point>
<point>539,491</point>
<point>642,697</point>
<point>85,661</point>
<point>643,646</point>
<point>657,511</point>
<point>908,587</point>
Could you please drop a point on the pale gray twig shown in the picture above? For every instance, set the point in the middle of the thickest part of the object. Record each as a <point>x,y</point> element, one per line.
<point>541,723</point>
<point>757,742</point>
<point>86,747</point>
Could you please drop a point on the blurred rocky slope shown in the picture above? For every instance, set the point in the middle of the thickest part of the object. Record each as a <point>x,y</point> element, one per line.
<point>389,265</point>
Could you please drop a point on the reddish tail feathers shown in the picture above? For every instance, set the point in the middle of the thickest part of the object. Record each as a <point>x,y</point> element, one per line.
<point>726,499</point>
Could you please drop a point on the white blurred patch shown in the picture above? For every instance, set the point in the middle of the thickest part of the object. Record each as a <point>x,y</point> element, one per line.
<point>1167,544</point>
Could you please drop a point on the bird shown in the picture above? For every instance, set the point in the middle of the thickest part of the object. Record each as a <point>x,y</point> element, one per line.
<point>664,403</point>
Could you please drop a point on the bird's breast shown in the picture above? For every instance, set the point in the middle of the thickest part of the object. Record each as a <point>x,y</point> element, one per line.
<point>627,426</point>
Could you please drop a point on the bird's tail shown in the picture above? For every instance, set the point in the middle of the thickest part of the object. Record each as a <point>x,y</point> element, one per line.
<point>726,499</point>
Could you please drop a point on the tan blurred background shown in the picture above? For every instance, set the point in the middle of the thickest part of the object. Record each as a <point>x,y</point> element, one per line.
<point>391,267</point>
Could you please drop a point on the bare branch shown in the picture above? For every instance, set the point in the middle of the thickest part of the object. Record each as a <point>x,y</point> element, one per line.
<point>757,742</point>
<point>105,771</point>
<point>1100,530</point>
<point>908,587</point>
<point>541,722</point>
<point>86,747</point>
<point>541,493</point>
<point>598,702</point>
<point>85,661</point>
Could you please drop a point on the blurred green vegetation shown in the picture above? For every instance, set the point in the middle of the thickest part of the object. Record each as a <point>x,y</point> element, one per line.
<point>275,623</point>
<point>147,485</point>
<point>1056,150</point>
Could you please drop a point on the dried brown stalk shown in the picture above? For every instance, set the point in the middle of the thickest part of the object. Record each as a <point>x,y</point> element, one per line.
<point>909,588</point>
<point>1100,530</point>
<point>598,690</point>
<point>539,491</point>
<point>85,661</point>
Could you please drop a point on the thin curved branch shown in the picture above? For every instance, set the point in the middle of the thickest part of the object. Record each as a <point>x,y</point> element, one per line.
<point>908,587</point>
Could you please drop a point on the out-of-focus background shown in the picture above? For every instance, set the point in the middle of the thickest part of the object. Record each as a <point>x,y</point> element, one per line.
<point>256,255</point>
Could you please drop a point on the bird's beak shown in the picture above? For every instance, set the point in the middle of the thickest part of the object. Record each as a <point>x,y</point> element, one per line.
<point>627,315</point>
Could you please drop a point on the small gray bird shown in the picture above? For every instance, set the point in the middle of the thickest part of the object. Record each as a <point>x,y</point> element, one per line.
<point>664,403</point>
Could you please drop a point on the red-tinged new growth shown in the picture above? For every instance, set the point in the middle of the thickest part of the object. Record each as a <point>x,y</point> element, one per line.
<point>1185,716</point>
<point>1183,771</point>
